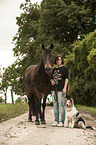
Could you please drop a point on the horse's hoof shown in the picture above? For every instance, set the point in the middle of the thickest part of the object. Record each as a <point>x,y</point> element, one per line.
<point>43,122</point>
<point>29,120</point>
<point>37,123</point>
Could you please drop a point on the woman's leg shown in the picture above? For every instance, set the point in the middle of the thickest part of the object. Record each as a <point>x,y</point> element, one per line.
<point>61,98</point>
<point>56,107</point>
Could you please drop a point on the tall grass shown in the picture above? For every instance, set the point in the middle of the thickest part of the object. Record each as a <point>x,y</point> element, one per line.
<point>8,111</point>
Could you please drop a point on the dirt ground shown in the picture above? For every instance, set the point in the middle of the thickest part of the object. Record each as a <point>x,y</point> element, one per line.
<point>18,131</point>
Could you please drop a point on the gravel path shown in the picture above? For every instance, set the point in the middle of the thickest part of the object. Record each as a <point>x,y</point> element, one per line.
<point>18,131</point>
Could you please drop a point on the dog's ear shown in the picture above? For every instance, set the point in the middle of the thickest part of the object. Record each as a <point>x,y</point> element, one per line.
<point>72,100</point>
<point>65,100</point>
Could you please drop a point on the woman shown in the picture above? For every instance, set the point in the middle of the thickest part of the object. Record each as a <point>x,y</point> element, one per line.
<point>59,81</point>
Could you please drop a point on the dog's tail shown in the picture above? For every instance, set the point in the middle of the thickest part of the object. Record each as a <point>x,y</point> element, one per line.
<point>90,127</point>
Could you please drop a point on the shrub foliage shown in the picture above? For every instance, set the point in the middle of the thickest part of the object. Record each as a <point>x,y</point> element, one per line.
<point>82,66</point>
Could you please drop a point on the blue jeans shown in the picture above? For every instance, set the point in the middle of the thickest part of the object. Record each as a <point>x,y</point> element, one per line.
<point>59,107</point>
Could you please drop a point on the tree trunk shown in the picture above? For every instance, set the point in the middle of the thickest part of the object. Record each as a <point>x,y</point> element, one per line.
<point>12,96</point>
<point>5,97</point>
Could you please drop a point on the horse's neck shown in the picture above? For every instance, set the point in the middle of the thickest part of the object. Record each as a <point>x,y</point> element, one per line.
<point>41,67</point>
<point>41,71</point>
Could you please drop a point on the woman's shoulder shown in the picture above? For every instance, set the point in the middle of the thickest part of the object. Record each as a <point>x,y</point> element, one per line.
<point>64,68</point>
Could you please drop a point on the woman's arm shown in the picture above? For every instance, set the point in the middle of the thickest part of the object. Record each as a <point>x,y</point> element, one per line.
<point>65,86</point>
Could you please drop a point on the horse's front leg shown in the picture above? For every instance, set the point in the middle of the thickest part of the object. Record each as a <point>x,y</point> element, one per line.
<point>37,122</point>
<point>37,106</point>
<point>42,114</point>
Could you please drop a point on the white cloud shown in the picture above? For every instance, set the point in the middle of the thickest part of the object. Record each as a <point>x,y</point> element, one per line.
<point>6,58</point>
<point>9,10</point>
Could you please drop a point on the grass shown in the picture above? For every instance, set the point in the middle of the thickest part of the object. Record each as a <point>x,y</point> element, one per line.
<point>8,111</point>
<point>88,109</point>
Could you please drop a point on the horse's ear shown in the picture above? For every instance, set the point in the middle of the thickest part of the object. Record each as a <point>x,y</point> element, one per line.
<point>43,46</point>
<point>52,46</point>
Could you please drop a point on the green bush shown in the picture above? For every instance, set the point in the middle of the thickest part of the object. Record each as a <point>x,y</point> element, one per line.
<point>21,100</point>
<point>92,59</point>
<point>90,93</point>
<point>83,92</point>
<point>1,100</point>
<point>76,91</point>
<point>82,68</point>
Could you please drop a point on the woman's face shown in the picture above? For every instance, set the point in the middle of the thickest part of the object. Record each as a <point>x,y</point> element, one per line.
<point>59,61</point>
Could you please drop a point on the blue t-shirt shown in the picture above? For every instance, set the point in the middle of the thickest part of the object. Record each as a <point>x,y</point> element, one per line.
<point>59,75</point>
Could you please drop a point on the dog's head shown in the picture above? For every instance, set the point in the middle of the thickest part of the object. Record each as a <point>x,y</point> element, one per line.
<point>69,103</point>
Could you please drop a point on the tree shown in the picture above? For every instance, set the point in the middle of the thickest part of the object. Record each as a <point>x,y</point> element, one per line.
<point>4,85</point>
<point>92,59</point>
<point>65,20</point>
<point>82,65</point>
<point>28,29</point>
<point>1,92</point>
<point>59,21</point>
<point>9,80</point>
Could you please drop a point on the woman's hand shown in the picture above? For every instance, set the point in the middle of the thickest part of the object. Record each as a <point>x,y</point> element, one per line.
<point>52,82</point>
<point>65,86</point>
<point>64,91</point>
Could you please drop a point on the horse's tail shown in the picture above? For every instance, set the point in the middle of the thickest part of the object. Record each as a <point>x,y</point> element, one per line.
<point>32,105</point>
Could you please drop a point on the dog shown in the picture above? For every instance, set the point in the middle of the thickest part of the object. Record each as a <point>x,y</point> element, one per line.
<point>72,117</point>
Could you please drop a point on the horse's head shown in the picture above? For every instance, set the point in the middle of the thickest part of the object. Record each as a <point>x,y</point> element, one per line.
<point>47,55</point>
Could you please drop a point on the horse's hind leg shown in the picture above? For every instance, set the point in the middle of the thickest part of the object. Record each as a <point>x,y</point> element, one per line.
<point>32,110</point>
<point>30,114</point>
<point>43,111</point>
<point>29,103</point>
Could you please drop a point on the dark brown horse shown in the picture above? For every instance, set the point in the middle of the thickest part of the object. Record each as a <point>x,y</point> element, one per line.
<point>37,84</point>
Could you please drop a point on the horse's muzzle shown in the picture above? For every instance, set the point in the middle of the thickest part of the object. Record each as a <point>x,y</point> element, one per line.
<point>48,71</point>
<point>47,66</point>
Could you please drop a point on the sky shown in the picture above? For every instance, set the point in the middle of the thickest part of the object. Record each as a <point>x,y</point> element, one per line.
<point>9,10</point>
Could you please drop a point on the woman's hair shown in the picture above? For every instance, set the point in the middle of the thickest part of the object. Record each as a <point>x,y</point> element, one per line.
<point>56,58</point>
